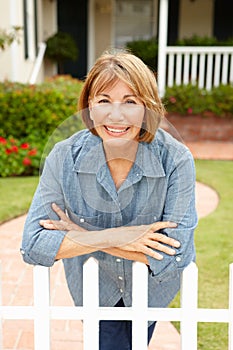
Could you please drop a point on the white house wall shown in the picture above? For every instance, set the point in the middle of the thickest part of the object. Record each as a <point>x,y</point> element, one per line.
<point>196,17</point>
<point>11,59</point>
<point>13,64</point>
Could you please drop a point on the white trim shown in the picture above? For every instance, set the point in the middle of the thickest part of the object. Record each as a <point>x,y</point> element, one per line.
<point>91,34</point>
<point>162,44</point>
<point>38,63</point>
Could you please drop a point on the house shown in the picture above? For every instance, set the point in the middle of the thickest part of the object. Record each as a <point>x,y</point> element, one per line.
<point>97,25</point>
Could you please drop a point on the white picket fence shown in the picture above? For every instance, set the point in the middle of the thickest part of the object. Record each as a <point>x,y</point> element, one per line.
<point>208,66</point>
<point>188,314</point>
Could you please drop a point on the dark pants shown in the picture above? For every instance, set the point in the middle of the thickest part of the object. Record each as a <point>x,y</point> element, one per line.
<point>117,335</point>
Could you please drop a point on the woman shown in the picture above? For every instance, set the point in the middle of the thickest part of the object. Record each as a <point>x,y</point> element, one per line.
<point>122,190</point>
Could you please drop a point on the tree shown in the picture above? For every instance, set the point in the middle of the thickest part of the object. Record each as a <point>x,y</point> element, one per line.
<point>61,47</point>
<point>8,37</point>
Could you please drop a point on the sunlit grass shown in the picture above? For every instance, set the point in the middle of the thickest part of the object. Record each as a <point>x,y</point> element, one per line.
<point>16,195</point>
<point>214,246</point>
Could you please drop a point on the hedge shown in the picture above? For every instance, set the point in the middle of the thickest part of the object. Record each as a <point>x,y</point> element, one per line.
<point>35,111</point>
<point>189,99</point>
<point>30,114</point>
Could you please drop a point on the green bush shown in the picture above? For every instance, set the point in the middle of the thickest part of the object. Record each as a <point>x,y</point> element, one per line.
<point>196,40</point>
<point>33,112</point>
<point>61,47</point>
<point>147,50</point>
<point>18,158</point>
<point>189,99</point>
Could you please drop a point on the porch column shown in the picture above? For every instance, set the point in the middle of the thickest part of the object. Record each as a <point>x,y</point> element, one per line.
<point>162,44</point>
<point>91,34</point>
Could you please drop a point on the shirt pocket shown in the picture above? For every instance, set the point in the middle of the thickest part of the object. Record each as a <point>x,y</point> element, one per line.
<point>90,223</point>
<point>144,219</point>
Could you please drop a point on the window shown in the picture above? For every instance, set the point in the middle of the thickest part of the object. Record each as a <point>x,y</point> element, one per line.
<point>133,20</point>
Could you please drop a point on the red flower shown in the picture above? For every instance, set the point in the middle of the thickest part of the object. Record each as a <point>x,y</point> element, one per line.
<point>2,140</point>
<point>14,149</point>
<point>27,161</point>
<point>8,151</point>
<point>172,99</point>
<point>25,145</point>
<point>33,152</point>
<point>190,111</point>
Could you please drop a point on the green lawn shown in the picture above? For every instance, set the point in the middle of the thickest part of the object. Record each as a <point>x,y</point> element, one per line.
<point>214,247</point>
<point>16,194</point>
<point>213,241</point>
<point>215,251</point>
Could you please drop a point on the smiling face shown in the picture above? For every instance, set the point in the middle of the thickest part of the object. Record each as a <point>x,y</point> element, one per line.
<point>117,113</point>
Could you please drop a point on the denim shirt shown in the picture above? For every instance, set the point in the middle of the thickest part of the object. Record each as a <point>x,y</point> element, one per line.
<point>159,187</point>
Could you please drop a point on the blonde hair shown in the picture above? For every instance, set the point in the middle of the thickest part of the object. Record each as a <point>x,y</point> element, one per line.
<point>122,65</point>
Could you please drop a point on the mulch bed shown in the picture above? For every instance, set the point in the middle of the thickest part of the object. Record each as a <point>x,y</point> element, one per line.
<point>198,128</point>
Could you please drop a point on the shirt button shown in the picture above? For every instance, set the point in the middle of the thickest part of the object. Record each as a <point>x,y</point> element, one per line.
<point>121,290</point>
<point>81,220</point>
<point>178,258</point>
<point>120,278</point>
<point>118,260</point>
<point>22,251</point>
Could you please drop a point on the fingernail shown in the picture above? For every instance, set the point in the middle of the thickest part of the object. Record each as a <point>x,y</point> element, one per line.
<point>173,224</point>
<point>160,257</point>
<point>177,244</point>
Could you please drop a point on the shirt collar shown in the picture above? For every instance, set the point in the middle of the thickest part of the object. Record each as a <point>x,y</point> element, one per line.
<point>92,158</point>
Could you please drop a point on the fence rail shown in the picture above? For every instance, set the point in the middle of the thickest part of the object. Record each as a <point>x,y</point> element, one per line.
<point>188,314</point>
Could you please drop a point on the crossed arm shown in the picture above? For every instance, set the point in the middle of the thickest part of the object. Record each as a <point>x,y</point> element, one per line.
<point>129,242</point>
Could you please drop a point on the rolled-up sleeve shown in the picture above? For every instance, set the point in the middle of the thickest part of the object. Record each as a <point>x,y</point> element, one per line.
<point>179,208</point>
<point>40,246</point>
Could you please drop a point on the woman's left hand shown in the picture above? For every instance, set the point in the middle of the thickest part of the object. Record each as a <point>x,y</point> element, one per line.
<point>64,224</point>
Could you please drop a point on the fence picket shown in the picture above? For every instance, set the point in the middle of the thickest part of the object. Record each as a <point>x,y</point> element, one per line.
<point>91,305</point>
<point>225,68</point>
<point>186,68</point>
<point>201,81</point>
<point>139,306</point>
<point>170,70</point>
<point>1,335</point>
<point>189,297</point>
<point>209,71</point>
<point>231,68</point>
<point>217,69</point>
<point>41,304</point>
<point>178,68</point>
<point>230,328</point>
<point>194,68</point>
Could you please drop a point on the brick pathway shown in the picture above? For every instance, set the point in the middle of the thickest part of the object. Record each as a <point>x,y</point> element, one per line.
<point>17,285</point>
